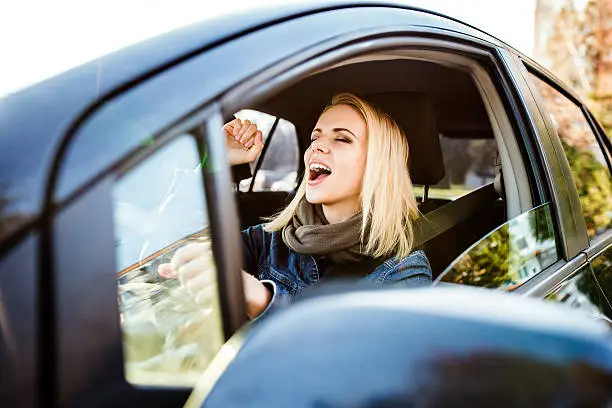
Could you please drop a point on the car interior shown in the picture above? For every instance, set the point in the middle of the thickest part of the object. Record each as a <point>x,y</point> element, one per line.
<point>451,139</point>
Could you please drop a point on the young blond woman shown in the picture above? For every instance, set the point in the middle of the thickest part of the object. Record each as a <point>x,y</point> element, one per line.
<point>351,216</point>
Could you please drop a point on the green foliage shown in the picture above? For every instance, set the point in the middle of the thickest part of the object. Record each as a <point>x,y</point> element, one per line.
<point>594,187</point>
<point>487,264</point>
<point>541,225</point>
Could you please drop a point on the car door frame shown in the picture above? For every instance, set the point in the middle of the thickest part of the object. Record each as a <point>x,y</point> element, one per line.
<point>265,83</point>
<point>583,249</point>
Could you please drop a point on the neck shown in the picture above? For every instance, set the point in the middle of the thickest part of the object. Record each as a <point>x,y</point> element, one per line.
<point>339,212</point>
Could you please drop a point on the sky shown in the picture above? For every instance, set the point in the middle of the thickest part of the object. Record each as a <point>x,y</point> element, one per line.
<point>40,38</point>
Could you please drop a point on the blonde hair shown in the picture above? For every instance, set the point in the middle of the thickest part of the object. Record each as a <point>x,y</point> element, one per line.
<point>387,199</point>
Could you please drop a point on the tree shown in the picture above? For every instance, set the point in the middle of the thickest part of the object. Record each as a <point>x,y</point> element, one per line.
<point>486,265</point>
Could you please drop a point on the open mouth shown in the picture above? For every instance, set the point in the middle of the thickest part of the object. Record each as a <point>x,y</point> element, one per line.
<point>318,173</point>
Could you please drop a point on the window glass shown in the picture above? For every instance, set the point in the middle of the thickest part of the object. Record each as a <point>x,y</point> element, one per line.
<point>582,292</point>
<point>469,163</point>
<point>508,256</point>
<point>587,162</point>
<point>279,166</point>
<point>602,269</point>
<point>169,337</point>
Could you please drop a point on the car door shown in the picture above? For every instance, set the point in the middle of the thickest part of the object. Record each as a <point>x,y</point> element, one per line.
<point>589,160</point>
<point>571,279</point>
<point>587,156</point>
<point>116,324</point>
<point>600,250</point>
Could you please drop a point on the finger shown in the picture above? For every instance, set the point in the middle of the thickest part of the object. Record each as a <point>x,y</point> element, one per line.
<point>199,282</point>
<point>257,146</point>
<point>249,134</point>
<point>189,252</point>
<point>258,142</point>
<point>199,269</point>
<point>205,295</point>
<point>165,270</point>
<point>243,129</point>
<point>229,127</point>
<point>236,127</point>
<point>249,143</point>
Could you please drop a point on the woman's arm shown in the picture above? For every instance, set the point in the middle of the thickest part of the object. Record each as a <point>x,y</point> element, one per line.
<point>191,264</point>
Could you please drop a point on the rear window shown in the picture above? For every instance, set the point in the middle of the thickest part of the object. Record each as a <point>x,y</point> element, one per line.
<point>277,166</point>
<point>469,164</point>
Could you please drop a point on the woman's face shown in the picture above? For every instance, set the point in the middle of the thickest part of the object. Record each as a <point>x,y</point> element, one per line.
<point>335,161</point>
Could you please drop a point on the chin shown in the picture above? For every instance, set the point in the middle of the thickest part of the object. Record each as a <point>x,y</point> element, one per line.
<point>312,200</point>
<point>315,197</point>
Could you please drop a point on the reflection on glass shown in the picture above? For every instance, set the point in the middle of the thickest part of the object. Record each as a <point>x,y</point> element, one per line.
<point>582,292</point>
<point>602,268</point>
<point>591,174</point>
<point>508,256</point>
<point>168,338</point>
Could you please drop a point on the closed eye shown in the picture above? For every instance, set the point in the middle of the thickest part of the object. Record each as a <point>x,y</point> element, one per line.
<point>343,140</point>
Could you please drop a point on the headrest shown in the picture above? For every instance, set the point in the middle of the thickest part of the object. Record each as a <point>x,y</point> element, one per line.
<point>415,114</point>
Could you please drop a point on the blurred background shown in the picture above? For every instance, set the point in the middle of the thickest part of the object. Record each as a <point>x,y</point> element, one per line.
<point>39,39</point>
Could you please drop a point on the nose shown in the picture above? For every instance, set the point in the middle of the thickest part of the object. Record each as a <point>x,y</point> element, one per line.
<point>319,146</point>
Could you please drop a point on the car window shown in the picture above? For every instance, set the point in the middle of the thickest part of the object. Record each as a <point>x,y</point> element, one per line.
<point>602,269</point>
<point>508,256</point>
<point>469,163</point>
<point>582,292</point>
<point>586,159</point>
<point>279,161</point>
<point>169,337</point>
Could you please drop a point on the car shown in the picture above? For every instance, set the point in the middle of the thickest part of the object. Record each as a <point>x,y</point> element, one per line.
<point>108,168</point>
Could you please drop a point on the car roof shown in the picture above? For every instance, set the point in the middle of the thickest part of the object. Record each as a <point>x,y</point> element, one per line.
<point>33,121</point>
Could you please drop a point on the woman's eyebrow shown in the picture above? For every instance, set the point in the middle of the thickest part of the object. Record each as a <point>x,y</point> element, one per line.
<point>336,130</point>
<point>346,130</point>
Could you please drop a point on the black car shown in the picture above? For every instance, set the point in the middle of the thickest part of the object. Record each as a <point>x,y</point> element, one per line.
<point>108,168</point>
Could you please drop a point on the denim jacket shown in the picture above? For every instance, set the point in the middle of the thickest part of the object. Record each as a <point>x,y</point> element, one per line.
<point>287,272</point>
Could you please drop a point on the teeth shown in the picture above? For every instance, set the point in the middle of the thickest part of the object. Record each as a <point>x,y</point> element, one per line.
<point>317,166</point>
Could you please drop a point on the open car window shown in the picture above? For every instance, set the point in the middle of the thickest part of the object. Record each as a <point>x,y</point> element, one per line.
<point>169,337</point>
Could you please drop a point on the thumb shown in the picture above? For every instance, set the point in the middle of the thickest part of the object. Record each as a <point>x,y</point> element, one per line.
<point>166,271</point>
<point>259,144</point>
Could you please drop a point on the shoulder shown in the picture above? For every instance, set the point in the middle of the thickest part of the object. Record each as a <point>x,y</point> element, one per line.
<point>258,231</point>
<point>415,259</point>
<point>413,268</point>
<point>257,236</point>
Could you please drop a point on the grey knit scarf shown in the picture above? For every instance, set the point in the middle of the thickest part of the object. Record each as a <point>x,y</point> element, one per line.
<point>310,233</point>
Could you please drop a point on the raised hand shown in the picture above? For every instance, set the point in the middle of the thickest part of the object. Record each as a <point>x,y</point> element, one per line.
<point>244,141</point>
